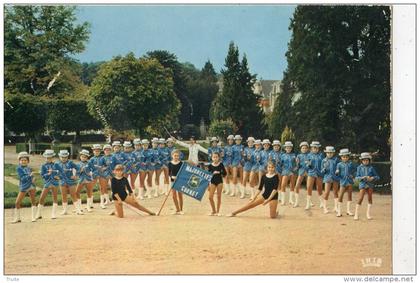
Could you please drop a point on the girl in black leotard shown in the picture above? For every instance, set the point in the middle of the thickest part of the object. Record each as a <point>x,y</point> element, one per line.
<point>270,182</point>
<point>216,183</point>
<point>173,168</point>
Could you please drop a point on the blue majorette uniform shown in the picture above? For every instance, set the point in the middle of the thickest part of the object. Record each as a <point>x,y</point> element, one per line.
<point>66,170</point>
<point>25,178</point>
<point>248,154</point>
<point>237,156</point>
<point>314,164</point>
<point>329,166</point>
<point>265,154</point>
<point>94,163</point>
<point>50,179</point>
<point>164,156</point>
<point>275,157</point>
<point>302,160</point>
<point>212,149</point>
<point>366,171</point>
<point>345,172</point>
<point>155,163</point>
<point>118,158</point>
<point>288,164</point>
<point>256,160</point>
<point>84,172</point>
<point>105,169</point>
<point>137,154</point>
<point>228,155</point>
<point>129,163</point>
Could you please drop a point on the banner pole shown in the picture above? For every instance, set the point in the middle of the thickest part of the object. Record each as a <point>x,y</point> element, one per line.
<point>164,201</point>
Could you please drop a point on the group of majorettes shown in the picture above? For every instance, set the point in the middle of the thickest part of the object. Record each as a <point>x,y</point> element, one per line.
<point>267,171</point>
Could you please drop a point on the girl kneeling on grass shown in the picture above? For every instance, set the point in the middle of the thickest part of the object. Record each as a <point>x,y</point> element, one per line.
<point>270,182</point>
<point>26,185</point>
<point>120,186</point>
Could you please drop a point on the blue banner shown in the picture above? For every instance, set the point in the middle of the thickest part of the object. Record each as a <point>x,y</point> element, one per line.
<point>192,181</point>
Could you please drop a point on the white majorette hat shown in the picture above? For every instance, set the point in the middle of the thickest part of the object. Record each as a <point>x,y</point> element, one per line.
<point>169,140</point>
<point>48,153</point>
<point>250,139</point>
<point>116,143</point>
<point>214,139</point>
<point>230,137</point>
<point>162,140</point>
<point>365,155</point>
<point>84,152</point>
<point>145,141</point>
<point>155,140</point>
<point>127,144</point>
<point>288,143</point>
<point>107,146</point>
<point>257,142</point>
<point>96,146</point>
<point>329,149</point>
<point>304,143</point>
<point>63,153</point>
<point>276,142</point>
<point>136,141</point>
<point>315,144</point>
<point>238,137</point>
<point>266,141</point>
<point>22,155</point>
<point>344,151</point>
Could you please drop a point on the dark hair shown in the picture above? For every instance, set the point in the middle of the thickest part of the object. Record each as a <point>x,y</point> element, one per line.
<point>215,153</point>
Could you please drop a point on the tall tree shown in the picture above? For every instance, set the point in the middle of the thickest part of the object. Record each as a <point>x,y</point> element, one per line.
<point>337,85</point>
<point>38,42</point>
<point>237,100</point>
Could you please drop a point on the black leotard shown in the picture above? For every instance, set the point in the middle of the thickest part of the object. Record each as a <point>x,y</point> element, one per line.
<point>269,185</point>
<point>120,187</point>
<point>217,178</point>
<point>174,169</point>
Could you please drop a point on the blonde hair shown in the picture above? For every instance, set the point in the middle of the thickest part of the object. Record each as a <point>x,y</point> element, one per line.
<point>119,167</point>
<point>175,151</point>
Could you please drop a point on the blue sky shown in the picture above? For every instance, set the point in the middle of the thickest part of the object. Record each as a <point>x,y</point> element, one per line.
<point>194,33</point>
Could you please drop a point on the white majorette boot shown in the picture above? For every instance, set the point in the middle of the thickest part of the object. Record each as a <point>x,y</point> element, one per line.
<point>16,218</point>
<point>321,202</point>
<point>149,192</point>
<point>368,211</point>
<point>291,193</point>
<point>54,210</point>
<point>79,207</point>
<point>348,208</point>
<point>356,212</point>
<point>156,189</point>
<point>33,213</point>
<point>251,192</point>
<point>242,189</point>
<point>335,204</point>
<point>324,205</point>
<point>167,189</point>
<point>283,198</point>
<point>102,202</point>
<point>91,202</point>
<point>64,212</point>
<point>339,209</point>
<point>106,198</point>
<point>160,189</point>
<point>141,193</point>
<point>232,191</point>
<point>88,205</point>
<point>308,202</point>
<point>39,211</point>
<point>296,204</point>
<point>312,205</point>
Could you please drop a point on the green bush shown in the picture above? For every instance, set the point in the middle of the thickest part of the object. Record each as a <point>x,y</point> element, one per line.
<point>22,147</point>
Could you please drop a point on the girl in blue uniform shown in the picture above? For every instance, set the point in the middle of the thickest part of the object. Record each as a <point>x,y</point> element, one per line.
<point>275,158</point>
<point>314,174</point>
<point>85,174</point>
<point>247,154</point>
<point>136,164</point>
<point>156,166</point>
<point>105,174</point>
<point>117,155</point>
<point>129,163</point>
<point>67,172</point>
<point>214,148</point>
<point>265,154</point>
<point>164,160</point>
<point>270,183</point>
<point>146,170</point>
<point>49,174</point>
<point>302,161</point>
<point>255,171</point>
<point>366,175</point>
<point>237,169</point>
<point>26,185</point>
<point>345,171</point>
<point>94,164</point>
<point>329,165</point>
<point>288,172</point>
<point>227,162</point>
